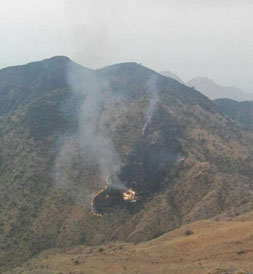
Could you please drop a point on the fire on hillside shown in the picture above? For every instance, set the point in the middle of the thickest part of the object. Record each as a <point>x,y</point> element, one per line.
<point>144,169</point>
<point>129,196</point>
<point>94,212</point>
<point>146,125</point>
<point>108,196</point>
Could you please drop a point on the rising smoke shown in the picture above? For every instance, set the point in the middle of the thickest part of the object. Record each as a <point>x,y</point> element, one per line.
<point>93,92</point>
<point>153,98</point>
<point>91,143</point>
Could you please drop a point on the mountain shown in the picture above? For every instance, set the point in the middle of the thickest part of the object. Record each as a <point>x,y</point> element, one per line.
<point>169,74</point>
<point>215,91</point>
<point>239,111</point>
<point>120,153</point>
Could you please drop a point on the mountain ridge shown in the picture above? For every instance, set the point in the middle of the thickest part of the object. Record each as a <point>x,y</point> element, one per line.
<point>172,75</point>
<point>187,162</point>
<point>214,91</point>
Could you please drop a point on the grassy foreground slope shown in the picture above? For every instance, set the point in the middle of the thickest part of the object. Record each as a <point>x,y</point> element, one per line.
<point>201,247</point>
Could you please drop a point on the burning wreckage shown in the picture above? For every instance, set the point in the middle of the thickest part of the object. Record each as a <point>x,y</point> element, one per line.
<point>144,170</point>
<point>111,195</point>
<point>129,196</point>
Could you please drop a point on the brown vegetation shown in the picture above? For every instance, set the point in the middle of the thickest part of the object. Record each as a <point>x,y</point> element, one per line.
<point>215,247</point>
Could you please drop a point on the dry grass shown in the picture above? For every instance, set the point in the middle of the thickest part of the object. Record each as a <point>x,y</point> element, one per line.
<point>213,247</point>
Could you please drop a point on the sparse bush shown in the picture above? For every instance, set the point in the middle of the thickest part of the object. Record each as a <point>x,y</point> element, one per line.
<point>101,250</point>
<point>76,262</point>
<point>240,252</point>
<point>188,232</point>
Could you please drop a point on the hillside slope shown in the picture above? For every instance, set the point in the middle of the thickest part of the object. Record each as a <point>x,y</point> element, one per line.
<point>239,111</point>
<point>215,247</point>
<point>69,131</point>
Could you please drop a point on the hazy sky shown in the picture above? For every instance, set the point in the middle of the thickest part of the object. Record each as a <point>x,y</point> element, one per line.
<point>212,38</point>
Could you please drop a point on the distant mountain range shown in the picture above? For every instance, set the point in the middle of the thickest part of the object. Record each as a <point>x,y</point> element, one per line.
<point>211,89</point>
<point>214,91</point>
<point>172,75</point>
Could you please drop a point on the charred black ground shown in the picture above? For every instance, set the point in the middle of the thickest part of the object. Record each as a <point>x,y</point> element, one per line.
<point>146,166</point>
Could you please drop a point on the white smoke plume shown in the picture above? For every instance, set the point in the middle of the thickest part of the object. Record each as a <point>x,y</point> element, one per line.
<point>87,157</point>
<point>153,96</point>
<point>89,150</point>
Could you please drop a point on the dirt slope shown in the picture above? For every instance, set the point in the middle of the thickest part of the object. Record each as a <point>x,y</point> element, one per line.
<point>211,247</point>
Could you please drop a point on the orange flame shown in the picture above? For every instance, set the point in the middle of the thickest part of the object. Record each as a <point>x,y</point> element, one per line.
<point>146,124</point>
<point>129,195</point>
<point>95,195</point>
